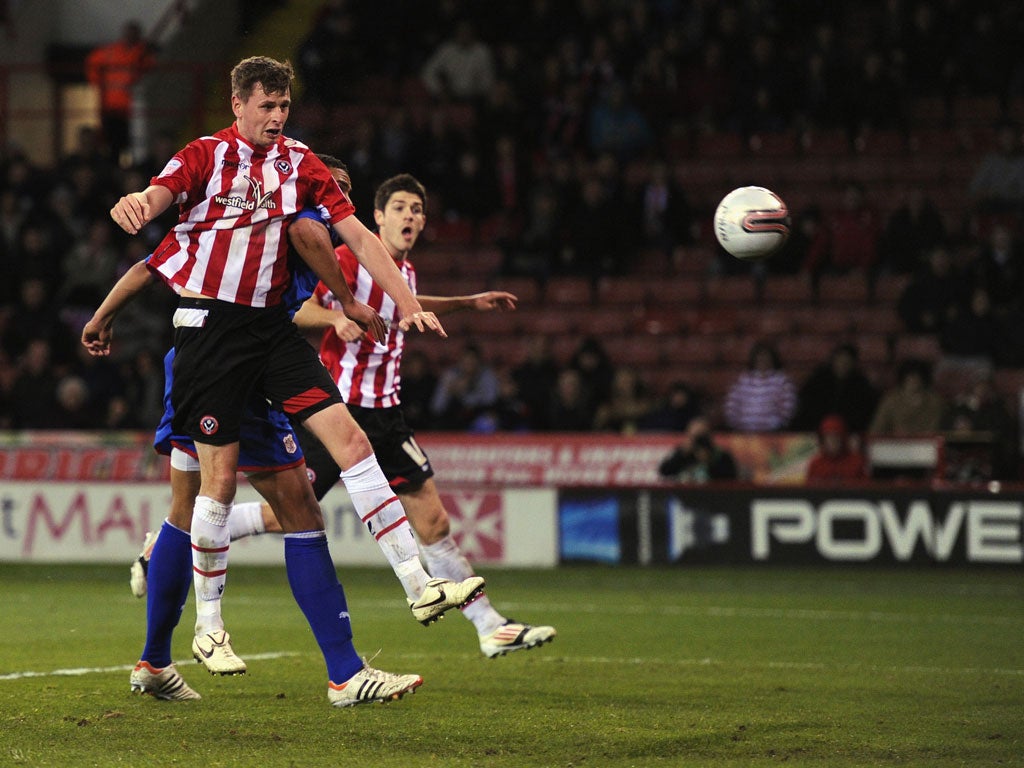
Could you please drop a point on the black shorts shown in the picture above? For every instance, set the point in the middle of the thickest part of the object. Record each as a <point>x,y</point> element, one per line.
<point>403,462</point>
<point>224,352</point>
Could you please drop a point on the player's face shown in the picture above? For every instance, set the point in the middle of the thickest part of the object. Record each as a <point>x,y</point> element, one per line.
<point>401,222</point>
<point>262,116</point>
<point>341,176</point>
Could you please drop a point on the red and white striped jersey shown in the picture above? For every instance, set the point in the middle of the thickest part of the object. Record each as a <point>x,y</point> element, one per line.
<point>235,202</point>
<point>367,374</point>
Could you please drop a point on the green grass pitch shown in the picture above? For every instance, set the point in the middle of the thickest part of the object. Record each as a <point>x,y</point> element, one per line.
<point>651,667</point>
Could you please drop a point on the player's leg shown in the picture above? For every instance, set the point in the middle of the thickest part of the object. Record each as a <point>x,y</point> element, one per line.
<point>170,570</point>
<point>210,535</point>
<point>380,509</point>
<point>498,634</point>
<point>250,518</point>
<point>319,594</point>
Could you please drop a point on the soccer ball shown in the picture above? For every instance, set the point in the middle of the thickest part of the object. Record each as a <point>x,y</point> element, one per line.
<point>752,223</point>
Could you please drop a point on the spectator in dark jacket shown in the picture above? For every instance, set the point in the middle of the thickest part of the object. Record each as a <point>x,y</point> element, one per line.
<point>837,386</point>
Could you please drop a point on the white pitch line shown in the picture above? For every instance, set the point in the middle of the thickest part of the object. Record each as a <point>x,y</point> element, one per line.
<point>814,614</point>
<point>550,657</point>
<point>712,611</point>
<point>79,671</point>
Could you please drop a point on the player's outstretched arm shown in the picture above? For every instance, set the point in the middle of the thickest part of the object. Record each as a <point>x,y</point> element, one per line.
<point>488,301</point>
<point>313,244</point>
<point>372,254</point>
<point>98,332</point>
<point>313,316</point>
<point>136,209</point>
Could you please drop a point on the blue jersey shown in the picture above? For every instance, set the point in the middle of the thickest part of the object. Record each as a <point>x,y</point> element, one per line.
<point>266,440</point>
<point>304,279</point>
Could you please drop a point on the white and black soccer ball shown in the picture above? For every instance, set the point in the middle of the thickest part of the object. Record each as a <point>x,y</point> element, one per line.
<point>752,223</point>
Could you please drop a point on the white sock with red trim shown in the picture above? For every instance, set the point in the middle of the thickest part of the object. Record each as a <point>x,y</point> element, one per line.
<point>382,513</point>
<point>445,559</point>
<point>210,541</point>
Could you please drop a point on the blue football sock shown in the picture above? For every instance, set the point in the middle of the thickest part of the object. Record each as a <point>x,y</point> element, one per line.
<point>319,594</point>
<point>169,579</point>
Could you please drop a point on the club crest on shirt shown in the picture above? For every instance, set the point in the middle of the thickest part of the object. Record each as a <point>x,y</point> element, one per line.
<point>283,166</point>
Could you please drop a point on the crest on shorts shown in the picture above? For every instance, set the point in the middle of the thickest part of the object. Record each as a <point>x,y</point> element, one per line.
<point>311,475</point>
<point>283,166</point>
<point>289,444</point>
<point>209,425</point>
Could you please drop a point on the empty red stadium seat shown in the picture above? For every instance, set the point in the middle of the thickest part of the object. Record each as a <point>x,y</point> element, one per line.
<point>569,290</point>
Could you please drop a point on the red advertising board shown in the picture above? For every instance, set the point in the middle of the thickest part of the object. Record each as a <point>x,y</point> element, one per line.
<point>502,460</point>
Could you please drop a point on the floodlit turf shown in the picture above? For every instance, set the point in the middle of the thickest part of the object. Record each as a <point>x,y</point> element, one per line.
<point>659,667</point>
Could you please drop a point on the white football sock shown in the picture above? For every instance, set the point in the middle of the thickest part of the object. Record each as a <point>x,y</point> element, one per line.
<point>382,513</point>
<point>210,541</point>
<point>246,520</point>
<point>445,560</point>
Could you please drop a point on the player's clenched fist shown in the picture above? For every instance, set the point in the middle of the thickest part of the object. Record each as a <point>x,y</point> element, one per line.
<point>131,212</point>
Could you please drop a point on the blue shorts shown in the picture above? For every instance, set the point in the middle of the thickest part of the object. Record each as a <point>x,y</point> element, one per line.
<point>266,441</point>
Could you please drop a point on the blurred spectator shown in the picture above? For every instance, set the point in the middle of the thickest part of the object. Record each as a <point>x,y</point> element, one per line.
<point>38,254</point>
<point>418,384</point>
<point>438,146</point>
<point>626,406</point>
<point>595,238</point>
<point>535,378</point>
<point>471,193</point>
<point>143,397</point>
<point>914,228</point>
<point>596,370</point>
<point>933,295</point>
<point>697,459</point>
<point>462,67</point>
<point>763,397</point>
<point>836,459</point>
<point>34,392</point>
<point>114,69</point>
<point>74,410</point>
<point>997,186</point>
<point>535,251</point>
<point>807,244</point>
<point>999,267</point>
<point>974,330</point>
<point>874,100</point>
<point>508,413</point>
<point>464,390</point>
<point>979,414</point>
<point>680,407</point>
<point>665,215</point>
<point>569,409</point>
<point>853,234</point>
<point>90,267</point>
<point>838,386</point>
<point>330,60</point>
<point>33,317</point>
<point>615,125</point>
<point>8,375</point>
<point>912,406</point>
<point>709,87</point>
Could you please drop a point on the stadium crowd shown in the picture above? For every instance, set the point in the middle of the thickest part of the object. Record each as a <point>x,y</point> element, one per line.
<point>550,131</point>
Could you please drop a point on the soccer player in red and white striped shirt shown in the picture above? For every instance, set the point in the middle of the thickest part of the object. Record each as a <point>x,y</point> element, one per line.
<point>236,192</point>
<point>368,377</point>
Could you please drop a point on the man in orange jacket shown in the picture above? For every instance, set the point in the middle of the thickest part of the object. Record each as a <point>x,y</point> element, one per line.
<point>114,69</point>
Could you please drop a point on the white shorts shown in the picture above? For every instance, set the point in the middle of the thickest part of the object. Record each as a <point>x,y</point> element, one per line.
<point>183,462</point>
